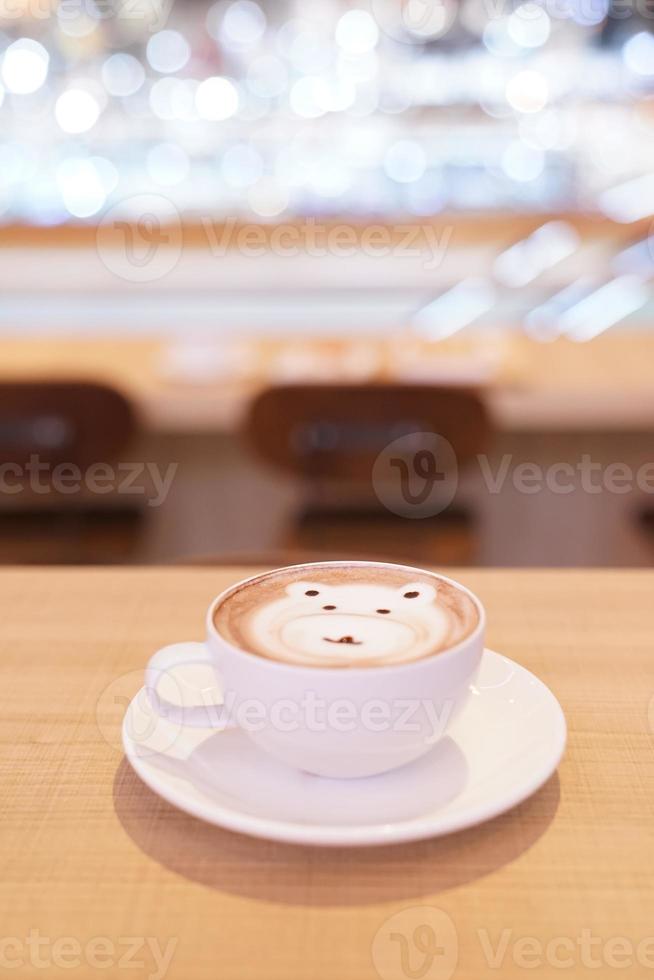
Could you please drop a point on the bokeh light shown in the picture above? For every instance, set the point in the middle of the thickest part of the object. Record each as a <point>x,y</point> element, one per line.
<point>268,198</point>
<point>168,52</point>
<point>243,24</point>
<point>638,54</point>
<point>174,98</point>
<point>356,32</point>
<point>77,110</point>
<point>122,74</point>
<point>25,66</point>
<point>216,98</point>
<point>522,162</point>
<point>309,96</point>
<point>528,91</point>
<point>405,161</point>
<point>81,186</point>
<point>241,166</point>
<point>529,25</point>
<point>330,106</point>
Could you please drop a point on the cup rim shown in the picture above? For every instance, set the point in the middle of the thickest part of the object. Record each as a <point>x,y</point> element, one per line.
<point>444,655</point>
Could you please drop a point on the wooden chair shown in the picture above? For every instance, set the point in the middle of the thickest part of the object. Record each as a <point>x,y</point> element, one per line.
<point>329,437</point>
<point>62,423</point>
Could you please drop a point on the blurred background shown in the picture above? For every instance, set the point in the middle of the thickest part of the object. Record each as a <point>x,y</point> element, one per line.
<point>284,281</point>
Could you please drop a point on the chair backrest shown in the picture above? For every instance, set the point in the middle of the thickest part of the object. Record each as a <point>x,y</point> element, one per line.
<point>72,422</point>
<point>336,432</point>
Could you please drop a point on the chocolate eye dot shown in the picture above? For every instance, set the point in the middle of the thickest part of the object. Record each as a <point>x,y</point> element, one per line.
<point>329,607</point>
<point>384,611</point>
<point>312,592</point>
<point>411,595</point>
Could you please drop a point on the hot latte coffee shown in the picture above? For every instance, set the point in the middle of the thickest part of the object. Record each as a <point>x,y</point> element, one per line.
<point>346,614</point>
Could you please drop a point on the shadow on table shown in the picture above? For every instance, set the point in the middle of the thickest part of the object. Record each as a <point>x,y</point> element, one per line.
<point>293,875</point>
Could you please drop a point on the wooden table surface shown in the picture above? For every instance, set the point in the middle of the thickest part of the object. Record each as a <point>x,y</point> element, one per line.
<point>96,872</point>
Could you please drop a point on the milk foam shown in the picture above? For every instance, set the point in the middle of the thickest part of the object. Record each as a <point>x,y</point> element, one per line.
<point>355,623</point>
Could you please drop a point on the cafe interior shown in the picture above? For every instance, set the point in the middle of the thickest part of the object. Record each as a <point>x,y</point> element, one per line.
<point>293,281</point>
<point>288,281</point>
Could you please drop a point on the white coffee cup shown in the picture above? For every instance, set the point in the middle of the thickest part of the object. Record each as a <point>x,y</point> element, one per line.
<point>339,722</point>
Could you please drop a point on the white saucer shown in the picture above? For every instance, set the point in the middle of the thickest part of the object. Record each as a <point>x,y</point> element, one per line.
<point>505,745</point>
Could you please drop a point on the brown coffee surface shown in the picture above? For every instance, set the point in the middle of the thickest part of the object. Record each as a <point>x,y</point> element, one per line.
<point>346,614</point>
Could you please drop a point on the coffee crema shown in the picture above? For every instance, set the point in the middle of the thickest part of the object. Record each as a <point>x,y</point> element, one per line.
<point>346,614</point>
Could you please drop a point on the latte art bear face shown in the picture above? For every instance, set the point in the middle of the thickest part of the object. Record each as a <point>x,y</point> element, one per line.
<point>347,624</point>
<point>351,621</point>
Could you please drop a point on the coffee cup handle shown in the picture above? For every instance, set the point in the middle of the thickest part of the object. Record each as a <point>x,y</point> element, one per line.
<point>207,715</point>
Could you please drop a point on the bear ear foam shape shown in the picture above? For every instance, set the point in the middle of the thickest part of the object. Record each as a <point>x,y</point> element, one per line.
<point>309,589</point>
<point>417,594</point>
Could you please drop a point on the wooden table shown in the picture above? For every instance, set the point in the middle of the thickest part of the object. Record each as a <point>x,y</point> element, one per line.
<point>95,868</point>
